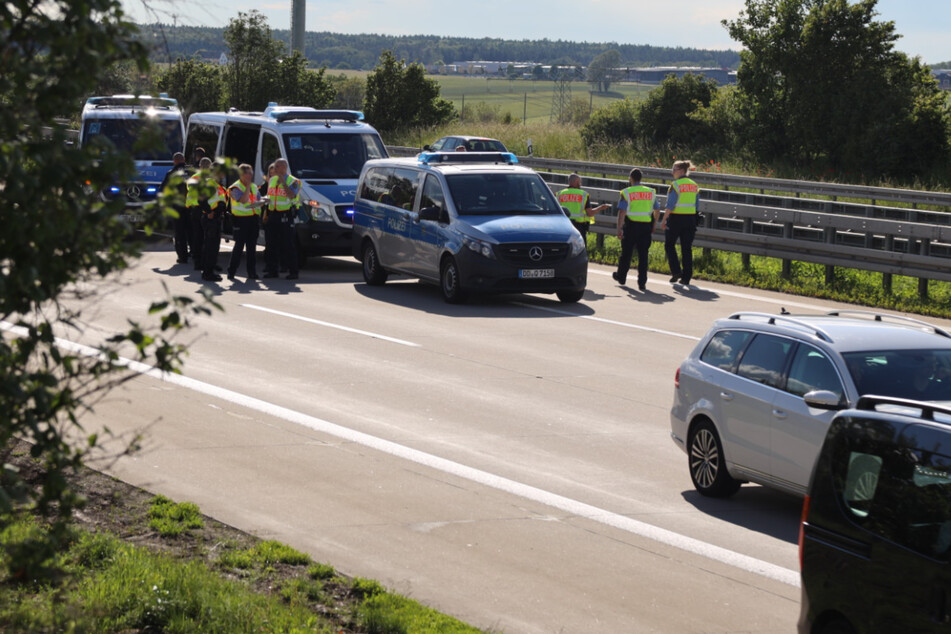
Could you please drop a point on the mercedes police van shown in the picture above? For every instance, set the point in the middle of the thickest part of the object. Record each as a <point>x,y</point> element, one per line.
<point>121,121</point>
<point>325,149</point>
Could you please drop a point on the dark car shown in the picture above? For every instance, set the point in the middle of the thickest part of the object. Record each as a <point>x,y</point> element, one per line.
<point>875,541</point>
<point>471,143</point>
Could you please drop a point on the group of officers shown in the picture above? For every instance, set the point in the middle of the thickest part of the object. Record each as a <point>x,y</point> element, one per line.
<point>639,210</point>
<point>208,201</point>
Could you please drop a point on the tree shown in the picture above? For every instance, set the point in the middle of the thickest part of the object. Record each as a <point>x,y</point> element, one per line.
<point>299,86</point>
<point>250,76</point>
<point>350,92</point>
<point>603,69</point>
<point>56,238</point>
<point>820,81</point>
<point>399,96</point>
<point>197,85</point>
<point>663,117</point>
<point>615,122</point>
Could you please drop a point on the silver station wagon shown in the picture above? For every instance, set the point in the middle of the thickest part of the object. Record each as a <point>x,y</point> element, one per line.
<point>754,400</point>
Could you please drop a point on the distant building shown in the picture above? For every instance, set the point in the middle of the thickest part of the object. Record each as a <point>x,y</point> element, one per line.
<point>657,74</point>
<point>223,60</point>
<point>943,75</point>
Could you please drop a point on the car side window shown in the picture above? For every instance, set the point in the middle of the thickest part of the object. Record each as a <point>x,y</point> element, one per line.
<point>724,348</point>
<point>433,195</point>
<point>812,370</point>
<point>270,150</point>
<point>374,184</point>
<point>764,360</point>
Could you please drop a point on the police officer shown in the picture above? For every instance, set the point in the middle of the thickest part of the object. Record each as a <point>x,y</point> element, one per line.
<point>578,204</point>
<point>212,202</point>
<point>680,222</point>
<point>179,173</point>
<point>283,191</point>
<point>635,226</point>
<point>246,221</point>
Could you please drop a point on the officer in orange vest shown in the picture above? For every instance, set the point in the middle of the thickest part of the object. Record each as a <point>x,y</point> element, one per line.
<point>578,204</point>
<point>212,204</point>
<point>680,222</point>
<point>636,214</point>
<point>282,192</point>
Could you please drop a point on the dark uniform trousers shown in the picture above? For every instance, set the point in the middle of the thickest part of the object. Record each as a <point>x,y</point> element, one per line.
<point>246,230</point>
<point>195,235</point>
<point>682,227</point>
<point>211,243</point>
<point>281,242</point>
<point>582,228</point>
<point>182,233</point>
<point>637,235</point>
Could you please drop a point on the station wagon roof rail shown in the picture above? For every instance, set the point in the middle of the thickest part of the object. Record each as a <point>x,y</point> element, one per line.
<point>772,319</point>
<point>897,318</point>
<point>428,158</point>
<point>924,410</point>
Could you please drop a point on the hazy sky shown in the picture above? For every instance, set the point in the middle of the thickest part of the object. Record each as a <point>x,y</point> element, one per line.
<point>925,25</point>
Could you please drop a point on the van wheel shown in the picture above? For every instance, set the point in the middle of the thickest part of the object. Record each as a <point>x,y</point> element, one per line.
<point>450,283</point>
<point>373,273</point>
<point>569,297</point>
<point>707,463</point>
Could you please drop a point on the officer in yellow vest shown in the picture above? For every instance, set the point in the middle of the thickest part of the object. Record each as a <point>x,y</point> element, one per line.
<point>282,191</point>
<point>578,204</point>
<point>246,221</point>
<point>680,222</point>
<point>636,214</point>
<point>212,204</point>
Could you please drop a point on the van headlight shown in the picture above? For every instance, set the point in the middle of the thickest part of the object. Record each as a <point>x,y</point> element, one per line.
<point>482,248</point>
<point>319,211</point>
<point>576,245</point>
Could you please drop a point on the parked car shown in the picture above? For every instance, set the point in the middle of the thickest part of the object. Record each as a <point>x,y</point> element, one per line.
<point>875,540</point>
<point>471,143</point>
<point>754,399</point>
<point>471,222</point>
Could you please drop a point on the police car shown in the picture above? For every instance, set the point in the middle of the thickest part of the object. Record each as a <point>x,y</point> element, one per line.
<point>325,149</point>
<point>118,123</point>
<point>471,222</point>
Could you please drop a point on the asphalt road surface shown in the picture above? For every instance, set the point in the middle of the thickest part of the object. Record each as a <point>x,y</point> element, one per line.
<point>506,461</point>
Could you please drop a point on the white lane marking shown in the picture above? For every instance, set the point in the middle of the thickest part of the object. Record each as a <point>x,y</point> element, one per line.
<point>755,298</point>
<point>331,325</point>
<point>608,321</point>
<point>568,505</point>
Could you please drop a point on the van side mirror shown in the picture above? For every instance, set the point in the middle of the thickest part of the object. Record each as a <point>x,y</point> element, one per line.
<point>824,399</point>
<point>433,214</point>
<point>565,210</point>
<point>427,148</point>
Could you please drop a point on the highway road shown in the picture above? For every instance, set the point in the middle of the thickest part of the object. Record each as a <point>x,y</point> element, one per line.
<point>506,461</point>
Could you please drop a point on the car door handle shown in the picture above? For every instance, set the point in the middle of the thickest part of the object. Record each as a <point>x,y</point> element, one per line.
<point>780,413</point>
<point>726,396</point>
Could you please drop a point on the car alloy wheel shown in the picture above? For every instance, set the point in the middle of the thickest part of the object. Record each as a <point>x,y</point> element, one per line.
<point>706,462</point>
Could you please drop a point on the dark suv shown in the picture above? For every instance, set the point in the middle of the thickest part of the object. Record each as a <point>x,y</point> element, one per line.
<point>875,541</point>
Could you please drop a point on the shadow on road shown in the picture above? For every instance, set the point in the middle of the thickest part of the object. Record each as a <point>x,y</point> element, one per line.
<point>755,508</point>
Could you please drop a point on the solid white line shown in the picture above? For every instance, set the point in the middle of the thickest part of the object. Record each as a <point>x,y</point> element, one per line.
<point>330,325</point>
<point>573,507</point>
<point>609,321</point>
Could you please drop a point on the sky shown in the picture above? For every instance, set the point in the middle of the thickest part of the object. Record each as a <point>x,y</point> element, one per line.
<point>925,25</point>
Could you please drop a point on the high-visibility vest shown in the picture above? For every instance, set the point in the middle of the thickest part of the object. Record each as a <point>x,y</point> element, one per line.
<point>687,191</point>
<point>191,197</point>
<point>241,209</point>
<point>220,195</point>
<point>575,201</point>
<point>640,203</point>
<point>277,193</point>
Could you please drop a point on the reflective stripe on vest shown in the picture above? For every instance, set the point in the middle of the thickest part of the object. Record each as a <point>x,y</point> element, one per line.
<point>575,201</point>
<point>277,193</point>
<point>244,209</point>
<point>687,191</point>
<point>640,203</point>
<point>220,195</point>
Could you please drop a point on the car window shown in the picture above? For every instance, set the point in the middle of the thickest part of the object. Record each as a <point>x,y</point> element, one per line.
<point>433,195</point>
<point>764,360</point>
<point>923,375</point>
<point>501,194</point>
<point>812,370</point>
<point>900,490</point>
<point>724,347</point>
<point>375,183</point>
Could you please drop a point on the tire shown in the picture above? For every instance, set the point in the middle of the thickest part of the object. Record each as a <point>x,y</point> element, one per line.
<point>450,282</point>
<point>707,464</point>
<point>838,626</point>
<point>373,273</point>
<point>569,297</point>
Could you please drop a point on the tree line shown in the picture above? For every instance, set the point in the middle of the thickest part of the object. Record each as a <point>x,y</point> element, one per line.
<point>362,51</point>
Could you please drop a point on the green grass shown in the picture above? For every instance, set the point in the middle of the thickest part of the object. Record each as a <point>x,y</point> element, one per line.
<point>171,519</point>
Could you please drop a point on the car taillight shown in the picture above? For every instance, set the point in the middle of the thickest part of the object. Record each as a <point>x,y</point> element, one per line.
<point>677,379</point>
<point>802,527</point>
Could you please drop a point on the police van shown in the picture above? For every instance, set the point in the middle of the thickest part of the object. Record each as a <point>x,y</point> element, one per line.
<point>120,122</point>
<point>325,149</point>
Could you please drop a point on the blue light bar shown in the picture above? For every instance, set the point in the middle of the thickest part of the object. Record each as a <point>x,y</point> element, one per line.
<point>429,158</point>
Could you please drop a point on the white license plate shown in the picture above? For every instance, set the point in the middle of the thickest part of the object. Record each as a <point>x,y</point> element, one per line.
<point>529,274</point>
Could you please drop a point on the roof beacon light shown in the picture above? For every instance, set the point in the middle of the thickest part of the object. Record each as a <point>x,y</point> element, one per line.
<point>431,158</point>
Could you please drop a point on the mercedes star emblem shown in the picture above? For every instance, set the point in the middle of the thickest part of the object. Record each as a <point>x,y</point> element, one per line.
<point>535,253</point>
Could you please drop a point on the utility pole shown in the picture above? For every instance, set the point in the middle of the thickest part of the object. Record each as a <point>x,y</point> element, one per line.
<point>560,99</point>
<point>298,18</point>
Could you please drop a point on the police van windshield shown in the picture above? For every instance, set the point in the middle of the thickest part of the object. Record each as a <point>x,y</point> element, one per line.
<point>145,139</point>
<point>331,156</point>
<point>501,194</point>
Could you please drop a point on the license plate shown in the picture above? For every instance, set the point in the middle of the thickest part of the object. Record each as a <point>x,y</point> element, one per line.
<point>530,274</point>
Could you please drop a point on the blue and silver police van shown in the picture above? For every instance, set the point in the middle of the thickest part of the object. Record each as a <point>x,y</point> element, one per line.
<point>471,222</point>
<point>121,122</point>
<point>325,149</point>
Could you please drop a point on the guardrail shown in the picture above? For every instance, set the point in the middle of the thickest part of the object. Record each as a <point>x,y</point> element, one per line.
<point>789,220</point>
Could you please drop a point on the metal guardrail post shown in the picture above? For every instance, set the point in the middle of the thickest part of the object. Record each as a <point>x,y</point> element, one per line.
<point>925,249</point>
<point>887,277</point>
<point>830,269</point>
